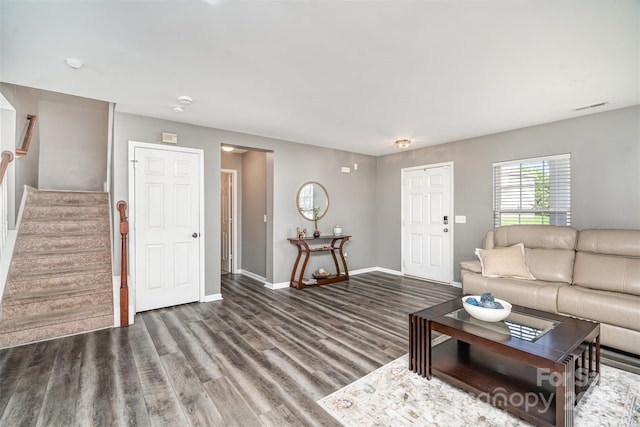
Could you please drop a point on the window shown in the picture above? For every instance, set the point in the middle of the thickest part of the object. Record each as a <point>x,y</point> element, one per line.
<point>532,191</point>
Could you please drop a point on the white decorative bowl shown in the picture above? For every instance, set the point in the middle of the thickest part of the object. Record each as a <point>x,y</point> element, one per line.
<point>487,314</point>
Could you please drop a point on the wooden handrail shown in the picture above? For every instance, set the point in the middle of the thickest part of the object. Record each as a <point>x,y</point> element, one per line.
<point>7,157</point>
<point>27,135</point>
<point>124,288</point>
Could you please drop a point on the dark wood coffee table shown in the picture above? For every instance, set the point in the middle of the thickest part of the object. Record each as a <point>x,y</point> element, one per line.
<point>535,365</point>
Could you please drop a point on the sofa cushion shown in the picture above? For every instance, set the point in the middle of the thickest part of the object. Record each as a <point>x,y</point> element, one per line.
<point>471,265</point>
<point>551,265</point>
<point>610,242</point>
<point>504,262</point>
<point>607,272</point>
<point>536,236</point>
<point>533,294</point>
<point>613,308</point>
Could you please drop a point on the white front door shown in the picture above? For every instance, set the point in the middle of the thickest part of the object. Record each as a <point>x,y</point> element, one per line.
<point>166,213</point>
<point>426,239</point>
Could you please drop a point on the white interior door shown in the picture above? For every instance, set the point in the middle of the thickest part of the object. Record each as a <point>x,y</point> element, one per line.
<point>167,227</point>
<point>426,251</point>
<point>226,221</point>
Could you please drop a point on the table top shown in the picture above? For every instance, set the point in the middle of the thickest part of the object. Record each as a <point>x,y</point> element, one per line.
<point>548,335</point>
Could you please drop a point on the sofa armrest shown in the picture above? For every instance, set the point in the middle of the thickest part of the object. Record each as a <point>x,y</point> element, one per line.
<point>471,265</point>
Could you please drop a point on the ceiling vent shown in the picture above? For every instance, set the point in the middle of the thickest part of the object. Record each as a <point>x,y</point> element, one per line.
<point>587,107</point>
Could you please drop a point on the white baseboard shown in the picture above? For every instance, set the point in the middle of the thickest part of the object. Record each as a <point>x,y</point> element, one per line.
<point>456,284</point>
<point>362,271</point>
<point>212,297</point>
<point>274,286</point>
<point>389,271</point>
<point>252,275</point>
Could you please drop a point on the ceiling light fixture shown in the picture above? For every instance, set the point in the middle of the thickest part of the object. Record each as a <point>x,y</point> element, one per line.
<point>177,109</point>
<point>402,144</point>
<point>74,63</point>
<point>185,100</point>
<point>227,148</point>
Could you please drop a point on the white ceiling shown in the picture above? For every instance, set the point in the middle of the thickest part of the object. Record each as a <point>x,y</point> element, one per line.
<point>352,75</point>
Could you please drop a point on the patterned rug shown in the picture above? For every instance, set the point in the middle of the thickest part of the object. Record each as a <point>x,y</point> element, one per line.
<point>394,396</point>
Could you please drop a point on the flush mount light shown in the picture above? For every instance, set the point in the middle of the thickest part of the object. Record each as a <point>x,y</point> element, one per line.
<point>185,100</point>
<point>402,143</point>
<point>177,109</point>
<point>227,148</point>
<point>74,63</point>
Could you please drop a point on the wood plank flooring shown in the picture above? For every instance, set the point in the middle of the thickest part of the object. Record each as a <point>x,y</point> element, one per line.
<point>258,357</point>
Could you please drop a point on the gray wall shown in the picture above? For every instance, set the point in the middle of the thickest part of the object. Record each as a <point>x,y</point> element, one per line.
<point>73,146</point>
<point>605,153</point>
<point>352,195</point>
<point>254,202</point>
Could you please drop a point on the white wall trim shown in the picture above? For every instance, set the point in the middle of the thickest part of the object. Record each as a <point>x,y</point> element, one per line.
<point>251,275</point>
<point>456,284</point>
<point>389,271</point>
<point>212,297</point>
<point>276,286</point>
<point>234,214</point>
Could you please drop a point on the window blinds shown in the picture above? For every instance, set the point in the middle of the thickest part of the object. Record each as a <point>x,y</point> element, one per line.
<point>532,191</point>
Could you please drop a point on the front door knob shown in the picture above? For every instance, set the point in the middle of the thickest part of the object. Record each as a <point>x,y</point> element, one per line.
<point>194,235</point>
<point>445,230</point>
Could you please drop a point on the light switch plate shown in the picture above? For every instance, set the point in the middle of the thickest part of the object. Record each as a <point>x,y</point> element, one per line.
<point>345,169</point>
<point>461,219</point>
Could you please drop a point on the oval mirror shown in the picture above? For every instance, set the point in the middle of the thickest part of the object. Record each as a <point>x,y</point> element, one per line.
<point>312,195</point>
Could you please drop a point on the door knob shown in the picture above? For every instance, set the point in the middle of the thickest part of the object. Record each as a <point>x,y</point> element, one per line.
<point>445,230</point>
<point>194,235</point>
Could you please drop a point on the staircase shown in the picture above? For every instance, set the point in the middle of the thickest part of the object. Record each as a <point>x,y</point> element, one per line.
<point>59,281</point>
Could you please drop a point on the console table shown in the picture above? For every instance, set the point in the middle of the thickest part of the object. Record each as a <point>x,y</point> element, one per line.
<point>335,247</point>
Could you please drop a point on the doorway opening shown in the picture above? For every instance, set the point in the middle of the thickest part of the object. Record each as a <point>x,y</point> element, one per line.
<point>228,220</point>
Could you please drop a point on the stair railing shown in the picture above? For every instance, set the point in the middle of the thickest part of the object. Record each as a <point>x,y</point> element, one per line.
<point>31,122</point>
<point>7,157</point>
<point>124,288</point>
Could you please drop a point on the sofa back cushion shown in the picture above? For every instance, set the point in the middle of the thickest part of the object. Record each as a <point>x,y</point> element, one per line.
<point>549,249</point>
<point>608,260</point>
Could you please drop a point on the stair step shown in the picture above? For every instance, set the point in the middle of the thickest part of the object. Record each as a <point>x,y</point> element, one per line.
<point>55,325</point>
<point>35,303</point>
<point>55,242</point>
<point>30,262</point>
<point>64,212</point>
<point>72,198</point>
<point>49,226</point>
<point>68,279</point>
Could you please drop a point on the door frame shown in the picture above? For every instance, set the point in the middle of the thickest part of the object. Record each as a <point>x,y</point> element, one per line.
<point>403,171</point>
<point>234,214</point>
<point>132,199</point>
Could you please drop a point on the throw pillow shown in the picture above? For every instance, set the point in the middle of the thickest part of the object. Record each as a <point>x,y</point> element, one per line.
<point>504,262</point>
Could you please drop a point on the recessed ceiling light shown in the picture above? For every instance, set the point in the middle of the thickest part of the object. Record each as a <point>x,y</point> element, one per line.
<point>227,148</point>
<point>185,100</point>
<point>177,109</point>
<point>74,63</point>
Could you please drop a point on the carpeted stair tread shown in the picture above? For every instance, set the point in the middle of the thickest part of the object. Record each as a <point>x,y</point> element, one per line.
<point>67,198</point>
<point>61,253</point>
<point>55,317</point>
<point>63,280</point>
<point>35,307</point>
<point>35,332</point>
<point>48,242</point>
<point>33,274</point>
<point>38,295</point>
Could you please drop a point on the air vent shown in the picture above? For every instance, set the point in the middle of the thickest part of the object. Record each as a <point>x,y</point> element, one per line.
<point>587,107</point>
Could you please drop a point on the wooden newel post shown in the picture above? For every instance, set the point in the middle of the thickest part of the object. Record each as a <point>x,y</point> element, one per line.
<point>124,289</point>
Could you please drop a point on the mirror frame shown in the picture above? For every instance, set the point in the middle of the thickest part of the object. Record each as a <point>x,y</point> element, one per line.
<point>326,197</point>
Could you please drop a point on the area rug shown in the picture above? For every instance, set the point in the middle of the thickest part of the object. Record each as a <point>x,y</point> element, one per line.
<point>394,396</point>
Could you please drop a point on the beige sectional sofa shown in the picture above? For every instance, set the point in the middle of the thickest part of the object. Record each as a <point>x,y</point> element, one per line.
<point>591,274</point>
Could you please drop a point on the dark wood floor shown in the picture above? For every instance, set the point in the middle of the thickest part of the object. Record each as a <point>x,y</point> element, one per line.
<point>259,357</point>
